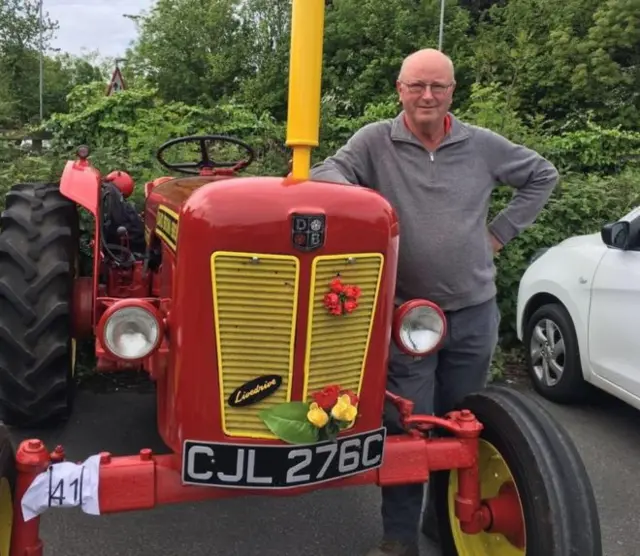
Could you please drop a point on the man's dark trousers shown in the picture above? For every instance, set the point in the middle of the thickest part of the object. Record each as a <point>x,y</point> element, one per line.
<point>436,384</point>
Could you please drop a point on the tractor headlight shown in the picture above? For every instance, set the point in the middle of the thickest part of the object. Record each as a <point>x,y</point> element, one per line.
<point>419,327</point>
<point>131,329</point>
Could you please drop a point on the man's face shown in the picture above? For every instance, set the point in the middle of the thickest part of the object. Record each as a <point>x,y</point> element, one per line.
<point>426,93</point>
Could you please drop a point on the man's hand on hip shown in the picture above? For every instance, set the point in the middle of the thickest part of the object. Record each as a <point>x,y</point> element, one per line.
<point>495,244</point>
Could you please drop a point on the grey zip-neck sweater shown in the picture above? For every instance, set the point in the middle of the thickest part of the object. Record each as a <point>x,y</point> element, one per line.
<point>442,199</point>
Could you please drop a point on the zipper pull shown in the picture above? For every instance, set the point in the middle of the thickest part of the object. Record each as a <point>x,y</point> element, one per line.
<point>431,156</point>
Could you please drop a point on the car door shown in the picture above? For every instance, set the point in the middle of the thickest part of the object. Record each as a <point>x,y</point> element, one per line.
<point>614,320</point>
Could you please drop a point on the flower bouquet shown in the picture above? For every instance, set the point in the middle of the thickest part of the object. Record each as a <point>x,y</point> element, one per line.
<point>331,411</point>
<point>341,298</point>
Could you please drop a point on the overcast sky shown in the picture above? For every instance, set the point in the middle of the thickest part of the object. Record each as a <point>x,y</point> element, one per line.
<point>89,25</point>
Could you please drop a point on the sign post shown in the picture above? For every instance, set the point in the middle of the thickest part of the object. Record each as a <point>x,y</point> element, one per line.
<point>117,83</point>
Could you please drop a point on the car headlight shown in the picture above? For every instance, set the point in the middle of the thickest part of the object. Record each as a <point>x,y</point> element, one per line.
<point>131,329</point>
<point>419,327</point>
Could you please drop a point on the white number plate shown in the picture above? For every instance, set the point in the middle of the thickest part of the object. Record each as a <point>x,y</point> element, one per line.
<point>270,467</point>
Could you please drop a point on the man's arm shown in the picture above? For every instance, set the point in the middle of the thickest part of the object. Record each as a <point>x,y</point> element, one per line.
<point>350,164</point>
<point>533,177</point>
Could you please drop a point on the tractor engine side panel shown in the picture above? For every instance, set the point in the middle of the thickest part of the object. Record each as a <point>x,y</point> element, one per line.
<point>248,303</point>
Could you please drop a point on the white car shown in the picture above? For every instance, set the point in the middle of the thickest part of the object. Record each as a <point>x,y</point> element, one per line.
<point>578,315</point>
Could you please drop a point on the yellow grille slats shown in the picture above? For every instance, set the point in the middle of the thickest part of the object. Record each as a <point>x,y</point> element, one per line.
<point>354,325</point>
<point>336,346</point>
<point>255,306</point>
<point>341,360</point>
<point>255,311</point>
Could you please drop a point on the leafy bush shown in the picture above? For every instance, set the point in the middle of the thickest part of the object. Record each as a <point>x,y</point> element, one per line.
<point>600,176</point>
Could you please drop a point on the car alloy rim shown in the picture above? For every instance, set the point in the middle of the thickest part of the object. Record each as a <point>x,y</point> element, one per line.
<point>547,352</point>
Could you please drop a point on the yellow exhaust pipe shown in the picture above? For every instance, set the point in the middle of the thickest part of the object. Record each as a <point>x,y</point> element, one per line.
<point>305,81</point>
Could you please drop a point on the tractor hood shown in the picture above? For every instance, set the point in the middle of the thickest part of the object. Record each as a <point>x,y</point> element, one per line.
<point>246,265</point>
<point>172,193</point>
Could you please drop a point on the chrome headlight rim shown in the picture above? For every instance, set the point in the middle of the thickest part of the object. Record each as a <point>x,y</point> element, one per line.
<point>412,311</point>
<point>126,310</point>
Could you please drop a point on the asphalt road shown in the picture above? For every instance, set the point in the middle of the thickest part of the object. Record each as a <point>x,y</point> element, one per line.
<point>332,523</point>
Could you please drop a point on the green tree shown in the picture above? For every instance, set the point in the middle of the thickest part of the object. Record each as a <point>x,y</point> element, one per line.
<point>366,41</point>
<point>266,35</point>
<point>19,44</point>
<point>191,50</point>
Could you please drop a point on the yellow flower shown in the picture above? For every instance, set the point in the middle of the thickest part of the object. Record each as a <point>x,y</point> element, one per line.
<point>317,416</point>
<point>343,410</point>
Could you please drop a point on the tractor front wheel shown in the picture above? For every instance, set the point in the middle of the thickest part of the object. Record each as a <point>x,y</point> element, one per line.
<point>547,506</point>
<point>38,254</point>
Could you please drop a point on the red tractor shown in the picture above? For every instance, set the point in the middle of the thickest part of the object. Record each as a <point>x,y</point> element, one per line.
<point>262,308</point>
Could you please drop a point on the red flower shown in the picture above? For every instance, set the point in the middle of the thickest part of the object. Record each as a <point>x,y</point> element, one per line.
<point>352,292</point>
<point>341,298</point>
<point>327,397</point>
<point>332,299</point>
<point>336,285</point>
<point>350,306</point>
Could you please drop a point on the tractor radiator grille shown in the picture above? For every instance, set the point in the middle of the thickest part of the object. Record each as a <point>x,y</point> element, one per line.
<point>255,304</point>
<point>337,345</point>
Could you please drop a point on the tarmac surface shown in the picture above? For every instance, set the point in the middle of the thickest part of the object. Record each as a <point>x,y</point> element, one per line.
<point>339,522</point>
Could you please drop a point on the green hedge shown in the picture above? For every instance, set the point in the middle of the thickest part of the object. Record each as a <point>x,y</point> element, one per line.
<point>600,173</point>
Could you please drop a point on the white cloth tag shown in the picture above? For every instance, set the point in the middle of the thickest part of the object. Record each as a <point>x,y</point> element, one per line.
<point>64,485</point>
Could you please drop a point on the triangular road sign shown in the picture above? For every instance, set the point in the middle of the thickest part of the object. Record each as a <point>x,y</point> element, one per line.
<point>117,83</point>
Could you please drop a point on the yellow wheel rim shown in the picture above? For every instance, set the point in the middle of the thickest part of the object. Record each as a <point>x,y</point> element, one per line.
<point>73,357</point>
<point>76,273</point>
<point>6,516</point>
<point>494,472</point>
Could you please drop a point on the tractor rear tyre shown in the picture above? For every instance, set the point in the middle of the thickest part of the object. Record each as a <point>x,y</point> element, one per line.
<point>523,445</point>
<point>38,258</point>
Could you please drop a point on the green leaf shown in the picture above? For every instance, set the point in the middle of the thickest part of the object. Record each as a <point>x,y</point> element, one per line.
<point>289,423</point>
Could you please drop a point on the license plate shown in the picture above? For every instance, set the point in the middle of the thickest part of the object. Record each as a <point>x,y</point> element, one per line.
<point>273,467</point>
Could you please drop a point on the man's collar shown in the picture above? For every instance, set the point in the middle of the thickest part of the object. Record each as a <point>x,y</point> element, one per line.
<point>455,130</point>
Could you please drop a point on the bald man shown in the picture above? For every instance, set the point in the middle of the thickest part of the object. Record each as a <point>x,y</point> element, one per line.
<point>438,173</point>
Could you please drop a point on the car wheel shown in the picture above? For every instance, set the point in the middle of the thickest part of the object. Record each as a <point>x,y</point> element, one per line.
<point>553,356</point>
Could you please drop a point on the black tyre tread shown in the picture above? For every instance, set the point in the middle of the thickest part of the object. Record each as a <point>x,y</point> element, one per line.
<point>572,388</point>
<point>38,245</point>
<point>562,516</point>
<point>571,467</point>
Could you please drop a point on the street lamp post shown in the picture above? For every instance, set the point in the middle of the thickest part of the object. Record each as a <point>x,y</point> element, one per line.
<point>41,62</point>
<point>441,25</point>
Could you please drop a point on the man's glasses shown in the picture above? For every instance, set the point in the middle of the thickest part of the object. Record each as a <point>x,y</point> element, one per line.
<point>437,89</point>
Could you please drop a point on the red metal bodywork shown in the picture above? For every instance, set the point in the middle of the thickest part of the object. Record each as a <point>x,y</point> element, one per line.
<point>231,215</point>
<point>80,182</point>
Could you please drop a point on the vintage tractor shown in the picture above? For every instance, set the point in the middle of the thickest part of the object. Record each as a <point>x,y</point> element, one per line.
<point>263,309</point>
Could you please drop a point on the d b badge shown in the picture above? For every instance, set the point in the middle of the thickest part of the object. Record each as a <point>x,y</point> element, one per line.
<point>308,231</point>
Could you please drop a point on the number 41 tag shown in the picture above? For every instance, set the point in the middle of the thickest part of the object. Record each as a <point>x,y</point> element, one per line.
<point>64,485</point>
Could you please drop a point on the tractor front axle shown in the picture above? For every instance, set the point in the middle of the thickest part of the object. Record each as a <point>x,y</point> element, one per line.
<point>146,480</point>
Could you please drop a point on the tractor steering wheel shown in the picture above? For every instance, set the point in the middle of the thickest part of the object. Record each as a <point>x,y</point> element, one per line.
<point>206,162</point>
